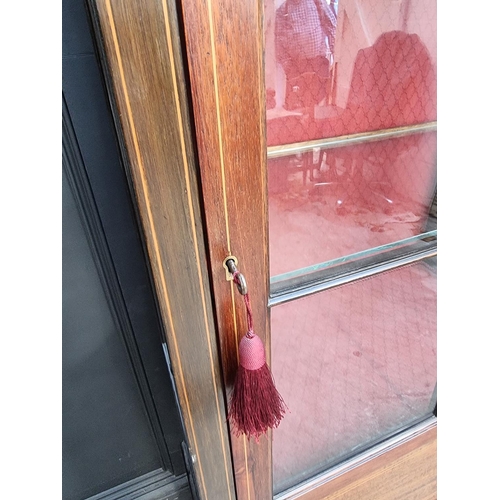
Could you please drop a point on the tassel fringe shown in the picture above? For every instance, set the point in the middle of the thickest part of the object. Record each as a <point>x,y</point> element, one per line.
<point>255,404</point>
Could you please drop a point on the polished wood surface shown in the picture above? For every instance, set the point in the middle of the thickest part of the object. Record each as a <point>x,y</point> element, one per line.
<point>406,472</point>
<point>224,49</point>
<point>143,58</point>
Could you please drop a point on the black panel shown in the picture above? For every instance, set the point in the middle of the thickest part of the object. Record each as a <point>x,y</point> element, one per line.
<point>106,435</point>
<point>93,125</point>
<point>76,36</point>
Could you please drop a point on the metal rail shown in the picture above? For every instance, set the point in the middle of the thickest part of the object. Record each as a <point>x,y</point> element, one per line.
<point>349,140</point>
<point>313,286</point>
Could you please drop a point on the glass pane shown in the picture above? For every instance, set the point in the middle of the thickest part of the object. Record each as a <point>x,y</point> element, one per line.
<point>402,245</point>
<point>358,78</point>
<point>354,364</point>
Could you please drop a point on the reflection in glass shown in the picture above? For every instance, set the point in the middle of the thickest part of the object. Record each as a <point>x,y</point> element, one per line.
<point>336,70</point>
<point>305,37</point>
<point>403,247</point>
<point>359,197</point>
<point>354,364</point>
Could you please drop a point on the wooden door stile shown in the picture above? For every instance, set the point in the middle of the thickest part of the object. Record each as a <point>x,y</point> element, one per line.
<point>224,43</point>
<point>141,48</point>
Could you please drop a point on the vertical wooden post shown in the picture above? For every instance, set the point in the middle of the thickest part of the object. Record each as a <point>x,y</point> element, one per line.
<point>224,41</point>
<point>142,51</point>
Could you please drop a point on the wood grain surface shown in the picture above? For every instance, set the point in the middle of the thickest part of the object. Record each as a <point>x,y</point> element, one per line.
<point>143,58</point>
<point>225,55</point>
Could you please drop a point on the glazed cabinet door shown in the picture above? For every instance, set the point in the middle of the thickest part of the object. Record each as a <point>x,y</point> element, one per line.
<point>298,136</point>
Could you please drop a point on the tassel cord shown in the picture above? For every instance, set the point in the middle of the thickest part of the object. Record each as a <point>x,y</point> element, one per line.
<point>246,298</point>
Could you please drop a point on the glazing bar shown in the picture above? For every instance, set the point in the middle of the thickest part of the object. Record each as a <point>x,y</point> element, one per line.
<point>315,287</point>
<point>348,140</point>
<point>304,271</point>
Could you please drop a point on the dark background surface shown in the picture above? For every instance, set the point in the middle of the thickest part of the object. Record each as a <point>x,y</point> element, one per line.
<point>120,416</point>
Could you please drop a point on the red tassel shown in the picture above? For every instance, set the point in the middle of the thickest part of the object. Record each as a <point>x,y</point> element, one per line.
<point>255,405</point>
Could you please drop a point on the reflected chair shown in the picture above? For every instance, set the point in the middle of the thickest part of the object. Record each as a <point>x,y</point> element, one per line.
<point>393,85</point>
